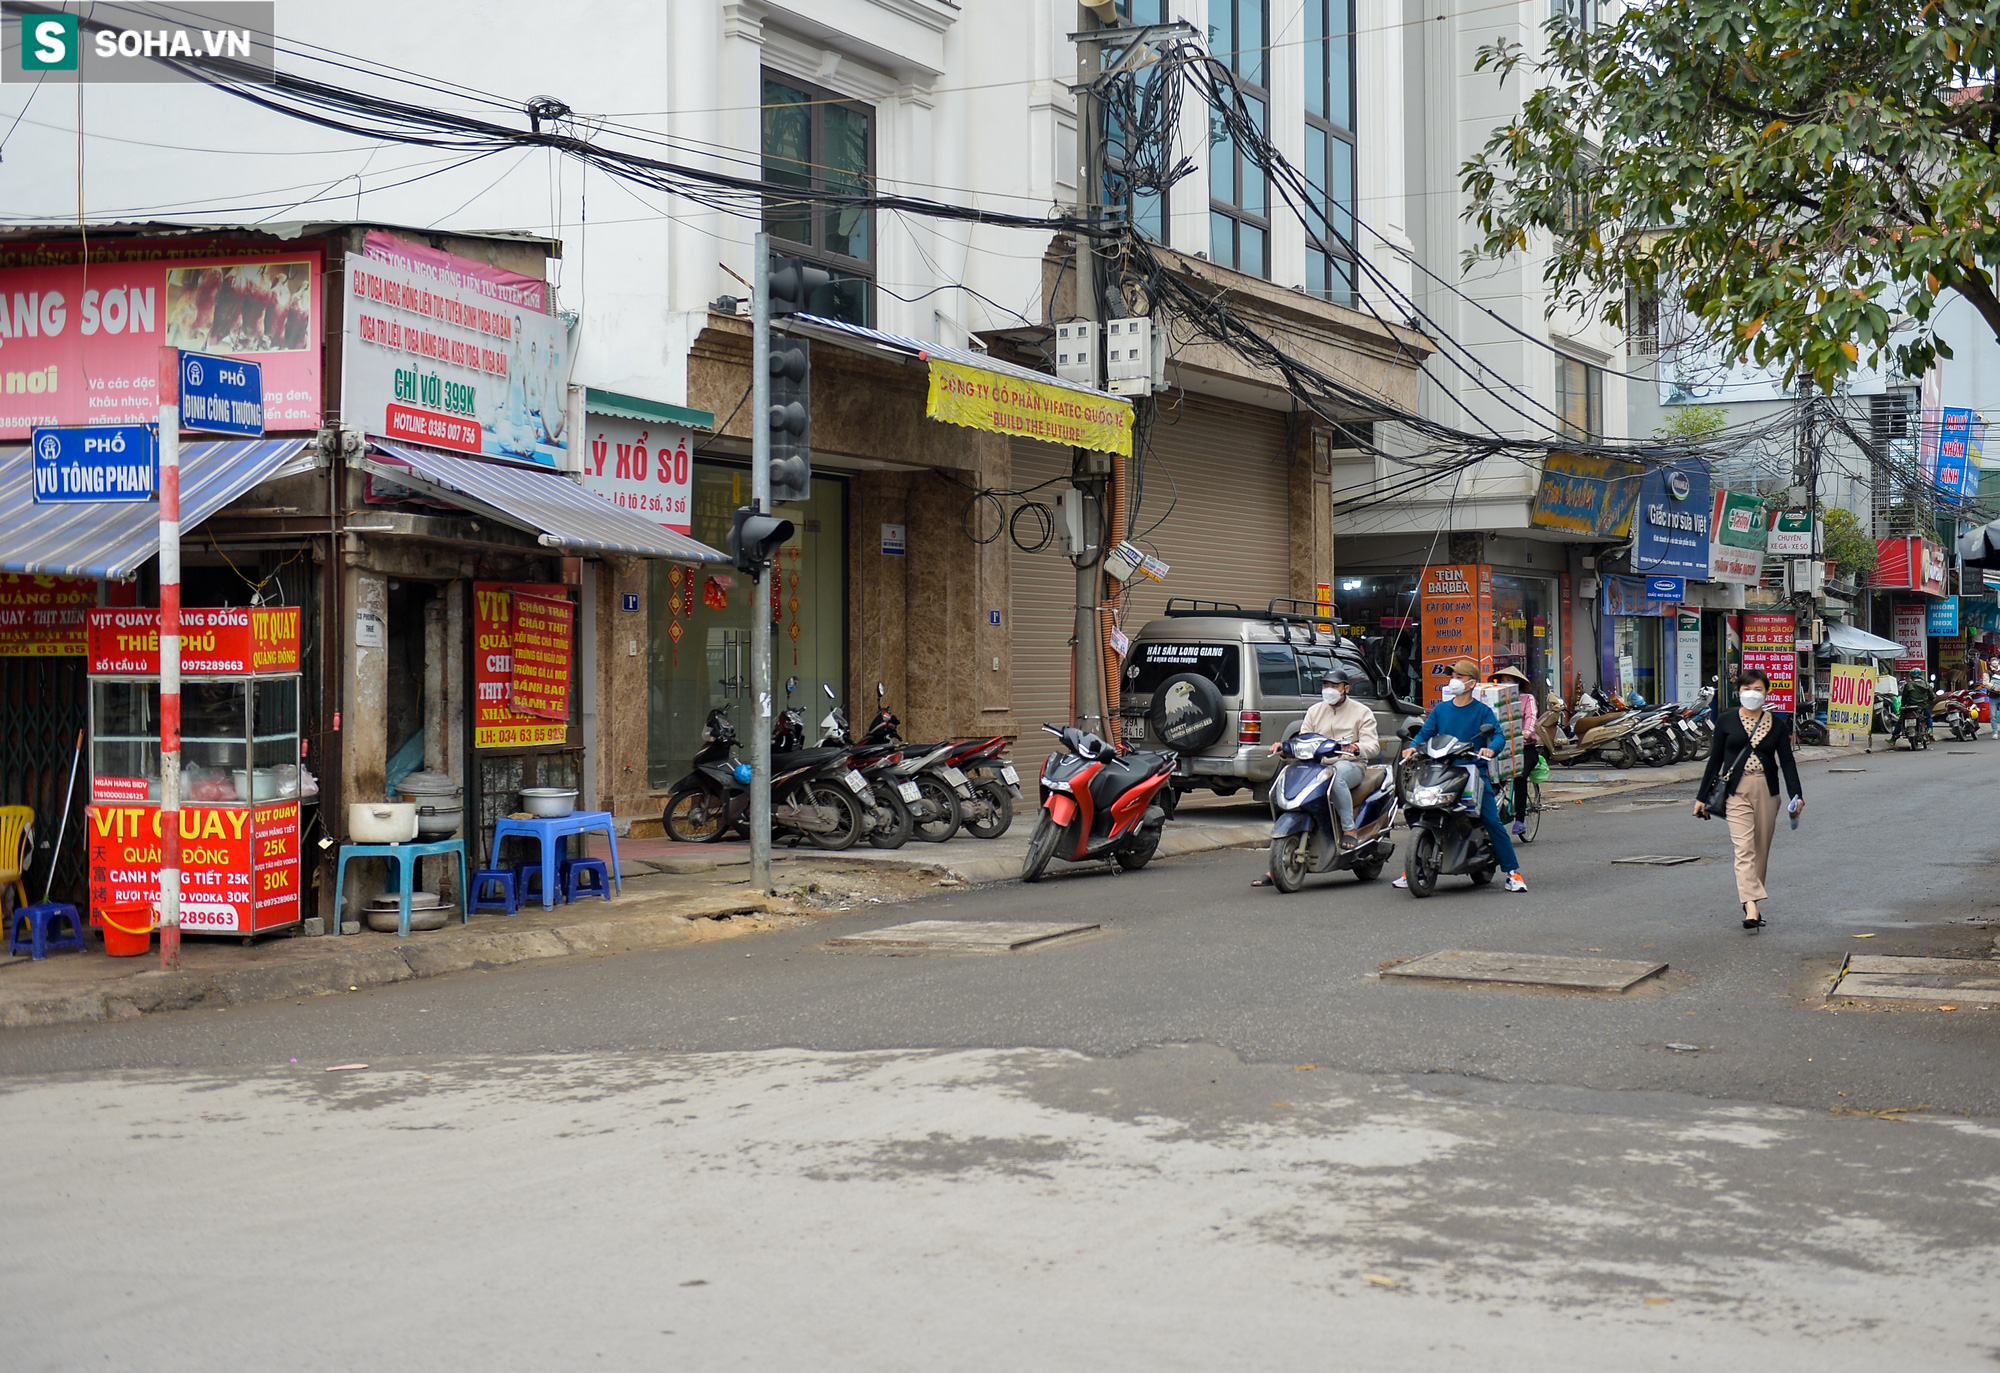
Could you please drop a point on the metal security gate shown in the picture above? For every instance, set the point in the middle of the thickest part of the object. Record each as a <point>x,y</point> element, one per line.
<point>42,708</point>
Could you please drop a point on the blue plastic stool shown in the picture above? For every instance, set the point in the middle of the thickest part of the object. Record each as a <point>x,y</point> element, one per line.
<point>39,919</point>
<point>489,877</point>
<point>528,882</point>
<point>576,869</point>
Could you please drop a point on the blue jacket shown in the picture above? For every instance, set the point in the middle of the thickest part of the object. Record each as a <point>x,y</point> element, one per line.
<point>1460,722</point>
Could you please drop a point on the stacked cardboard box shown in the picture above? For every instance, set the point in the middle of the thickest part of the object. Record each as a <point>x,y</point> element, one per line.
<point>1505,700</point>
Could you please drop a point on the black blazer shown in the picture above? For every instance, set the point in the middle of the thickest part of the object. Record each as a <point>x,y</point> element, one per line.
<point>1732,742</point>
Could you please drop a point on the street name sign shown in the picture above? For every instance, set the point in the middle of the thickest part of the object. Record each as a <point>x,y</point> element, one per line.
<point>222,396</point>
<point>98,462</point>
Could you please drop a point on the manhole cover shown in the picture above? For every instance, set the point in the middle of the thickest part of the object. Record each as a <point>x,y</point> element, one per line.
<point>1847,769</point>
<point>1961,752</point>
<point>1660,860</point>
<point>961,936</point>
<point>1971,982</point>
<point>1527,969</point>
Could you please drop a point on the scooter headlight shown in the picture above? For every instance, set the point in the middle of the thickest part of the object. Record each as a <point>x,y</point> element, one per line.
<point>1053,784</point>
<point>1431,796</point>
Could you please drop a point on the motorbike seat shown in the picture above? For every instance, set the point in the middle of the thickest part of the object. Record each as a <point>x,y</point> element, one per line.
<point>1584,724</point>
<point>1370,783</point>
<point>1118,775</point>
<point>793,759</point>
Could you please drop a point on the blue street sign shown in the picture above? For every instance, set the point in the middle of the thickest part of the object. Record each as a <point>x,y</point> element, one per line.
<point>1666,589</point>
<point>98,462</point>
<point>222,396</point>
<point>631,600</point>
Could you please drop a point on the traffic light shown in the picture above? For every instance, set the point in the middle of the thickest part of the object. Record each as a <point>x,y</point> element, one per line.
<point>793,285</point>
<point>791,419</point>
<point>754,537</point>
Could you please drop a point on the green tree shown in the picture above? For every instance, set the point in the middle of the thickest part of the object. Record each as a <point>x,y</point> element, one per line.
<point>1809,178</point>
<point>1693,424</point>
<point>1845,543</point>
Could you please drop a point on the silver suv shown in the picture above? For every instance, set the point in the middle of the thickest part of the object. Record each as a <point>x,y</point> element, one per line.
<point>1219,685</point>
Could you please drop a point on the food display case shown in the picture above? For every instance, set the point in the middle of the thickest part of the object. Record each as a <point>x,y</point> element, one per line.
<point>243,775</point>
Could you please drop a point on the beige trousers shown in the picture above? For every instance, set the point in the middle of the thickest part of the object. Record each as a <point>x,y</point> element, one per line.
<point>1753,819</point>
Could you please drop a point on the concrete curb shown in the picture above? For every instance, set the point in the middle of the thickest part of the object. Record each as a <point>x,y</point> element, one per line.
<point>1173,843</point>
<point>337,971</point>
<point>1678,772</point>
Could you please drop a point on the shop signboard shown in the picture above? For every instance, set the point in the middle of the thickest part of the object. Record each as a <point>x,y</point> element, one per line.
<point>126,643</point>
<point>1687,654</point>
<point>1737,533</point>
<point>1955,462</point>
<point>82,338</point>
<point>1672,534</point>
<point>1941,618</point>
<point>1594,497</point>
<point>1791,534</point>
<point>1909,632</point>
<point>1850,702</point>
<point>239,870</point>
<point>642,466</point>
<point>43,617</point>
<point>1005,403</point>
<point>1629,596</point>
<point>1457,601</point>
<point>1768,644</point>
<point>496,723</point>
<point>444,351</point>
<point>1908,564</point>
<point>540,657</point>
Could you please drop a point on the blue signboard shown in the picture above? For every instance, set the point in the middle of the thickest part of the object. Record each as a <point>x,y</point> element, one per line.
<point>99,462</point>
<point>1666,589</point>
<point>1955,466</point>
<point>1941,619</point>
<point>1628,596</point>
<point>1670,530</point>
<point>222,396</point>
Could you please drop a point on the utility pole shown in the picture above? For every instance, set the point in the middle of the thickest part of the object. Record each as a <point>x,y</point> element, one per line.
<point>1806,476</point>
<point>170,660</point>
<point>1088,669</point>
<point>760,595</point>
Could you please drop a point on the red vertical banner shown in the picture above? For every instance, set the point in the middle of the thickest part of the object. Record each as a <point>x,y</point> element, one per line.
<point>1457,601</point>
<point>539,682</point>
<point>496,724</point>
<point>275,864</point>
<point>1770,643</point>
<point>1567,680</point>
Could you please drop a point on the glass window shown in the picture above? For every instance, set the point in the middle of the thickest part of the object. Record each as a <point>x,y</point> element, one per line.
<point>1239,226</point>
<point>1277,671</point>
<point>1153,663</point>
<point>1580,398</point>
<point>1329,169</point>
<point>822,144</point>
<point>1526,631</point>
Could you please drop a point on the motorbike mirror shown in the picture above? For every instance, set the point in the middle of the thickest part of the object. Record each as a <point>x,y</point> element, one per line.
<point>1485,731</point>
<point>880,691</point>
<point>827,687</point>
<point>791,685</point>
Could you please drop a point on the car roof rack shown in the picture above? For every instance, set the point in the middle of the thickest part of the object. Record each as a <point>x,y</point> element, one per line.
<point>1179,606</point>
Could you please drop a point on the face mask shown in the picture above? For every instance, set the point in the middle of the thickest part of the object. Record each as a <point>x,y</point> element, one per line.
<point>1333,696</point>
<point>1455,688</point>
<point>1752,699</point>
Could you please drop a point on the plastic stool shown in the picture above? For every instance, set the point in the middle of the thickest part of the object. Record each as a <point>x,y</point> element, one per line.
<point>576,869</point>
<point>528,881</point>
<point>40,939</point>
<point>488,877</point>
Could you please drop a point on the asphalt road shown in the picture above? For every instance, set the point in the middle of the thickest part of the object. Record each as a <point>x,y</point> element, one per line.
<point>1110,1152</point>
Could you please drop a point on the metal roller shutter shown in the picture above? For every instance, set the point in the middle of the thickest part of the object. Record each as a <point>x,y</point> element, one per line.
<point>1214,510</point>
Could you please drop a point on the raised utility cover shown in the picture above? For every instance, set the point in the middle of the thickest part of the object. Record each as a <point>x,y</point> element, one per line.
<point>1660,860</point>
<point>1972,982</point>
<point>1526,969</point>
<point>960,936</point>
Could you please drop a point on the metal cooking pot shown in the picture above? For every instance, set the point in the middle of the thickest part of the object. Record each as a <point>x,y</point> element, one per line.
<point>440,803</point>
<point>549,803</point>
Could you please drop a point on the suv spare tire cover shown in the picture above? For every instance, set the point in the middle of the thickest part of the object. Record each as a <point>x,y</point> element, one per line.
<point>1187,712</point>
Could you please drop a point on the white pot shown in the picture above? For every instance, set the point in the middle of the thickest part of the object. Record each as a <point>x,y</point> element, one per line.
<point>381,822</point>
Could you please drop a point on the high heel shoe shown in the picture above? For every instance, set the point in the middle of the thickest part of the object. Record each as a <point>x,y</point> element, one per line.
<point>1752,923</point>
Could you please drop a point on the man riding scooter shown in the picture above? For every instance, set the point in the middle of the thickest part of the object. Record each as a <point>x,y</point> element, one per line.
<point>1337,715</point>
<point>1461,717</point>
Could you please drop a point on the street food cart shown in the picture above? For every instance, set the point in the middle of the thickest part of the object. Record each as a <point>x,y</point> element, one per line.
<point>243,778</point>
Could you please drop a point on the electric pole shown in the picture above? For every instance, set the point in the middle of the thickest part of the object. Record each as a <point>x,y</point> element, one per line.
<point>760,591</point>
<point>1088,669</point>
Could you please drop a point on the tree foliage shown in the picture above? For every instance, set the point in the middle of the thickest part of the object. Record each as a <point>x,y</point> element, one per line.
<point>1845,542</point>
<point>1811,178</point>
<point>1693,423</point>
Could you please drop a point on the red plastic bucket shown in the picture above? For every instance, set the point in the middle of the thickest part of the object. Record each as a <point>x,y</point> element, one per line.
<point>128,930</point>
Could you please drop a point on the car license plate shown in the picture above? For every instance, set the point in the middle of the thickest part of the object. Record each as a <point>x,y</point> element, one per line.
<point>1013,777</point>
<point>856,783</point>
<point>909,791</point>
<point>957,779</point>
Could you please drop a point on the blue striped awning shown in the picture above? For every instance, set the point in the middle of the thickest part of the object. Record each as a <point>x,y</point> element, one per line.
<point>539,500</point>
<point>111,539</point>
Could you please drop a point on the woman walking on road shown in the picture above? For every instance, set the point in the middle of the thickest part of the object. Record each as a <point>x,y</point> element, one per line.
<point>1758,745</point>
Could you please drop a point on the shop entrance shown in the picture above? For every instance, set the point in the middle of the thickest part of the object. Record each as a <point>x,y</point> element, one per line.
<point>699,623</point>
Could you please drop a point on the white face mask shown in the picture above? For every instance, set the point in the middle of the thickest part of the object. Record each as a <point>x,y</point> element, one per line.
<point>1455,688</point>
<point>1752,699</point>
<point>1333,696</point>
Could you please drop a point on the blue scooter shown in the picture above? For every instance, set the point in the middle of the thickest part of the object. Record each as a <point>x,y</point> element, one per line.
<point>1305,838</point>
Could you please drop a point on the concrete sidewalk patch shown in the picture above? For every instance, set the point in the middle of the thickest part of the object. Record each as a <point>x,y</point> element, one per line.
<point>1971,982</point>
<point>1527,969</point>
<point>961,936</point>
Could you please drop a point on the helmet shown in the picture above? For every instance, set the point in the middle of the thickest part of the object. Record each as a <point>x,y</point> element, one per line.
<point>742,774</point>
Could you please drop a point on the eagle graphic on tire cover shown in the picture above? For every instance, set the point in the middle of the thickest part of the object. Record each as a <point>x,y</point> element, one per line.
<point>1180,709</point>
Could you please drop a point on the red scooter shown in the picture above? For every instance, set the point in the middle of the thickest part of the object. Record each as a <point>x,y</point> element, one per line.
<point>1098,803</point>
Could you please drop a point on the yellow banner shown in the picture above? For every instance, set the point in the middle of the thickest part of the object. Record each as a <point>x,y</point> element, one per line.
<point>1851,703</point>
<point>979,399</point>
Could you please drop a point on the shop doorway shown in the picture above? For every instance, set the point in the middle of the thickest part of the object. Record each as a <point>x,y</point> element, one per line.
<point>699,622</point>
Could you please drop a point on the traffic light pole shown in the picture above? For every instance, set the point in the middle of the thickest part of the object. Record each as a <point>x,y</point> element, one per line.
<point>760,603</point>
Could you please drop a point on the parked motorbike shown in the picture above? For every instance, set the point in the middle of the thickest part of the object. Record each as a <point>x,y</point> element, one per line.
<point>938,810</point>
<point>1588,732</point>
<point>1440,792</point>
<point>1098,803</point>
<point>888,803</point>
<point>1305,837</point>
<point>1957,713</point>
<point>811,797</point>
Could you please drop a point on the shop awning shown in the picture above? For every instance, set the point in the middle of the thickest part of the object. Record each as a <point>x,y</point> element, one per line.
<point>648,411</point>
<point>111,539</point>
<point>1845,638</point>
<point>982,392</point>
<point>1980,547</point>
<point>536,499</point>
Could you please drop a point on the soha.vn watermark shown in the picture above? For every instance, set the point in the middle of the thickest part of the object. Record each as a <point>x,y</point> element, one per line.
<point>135,44</point>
